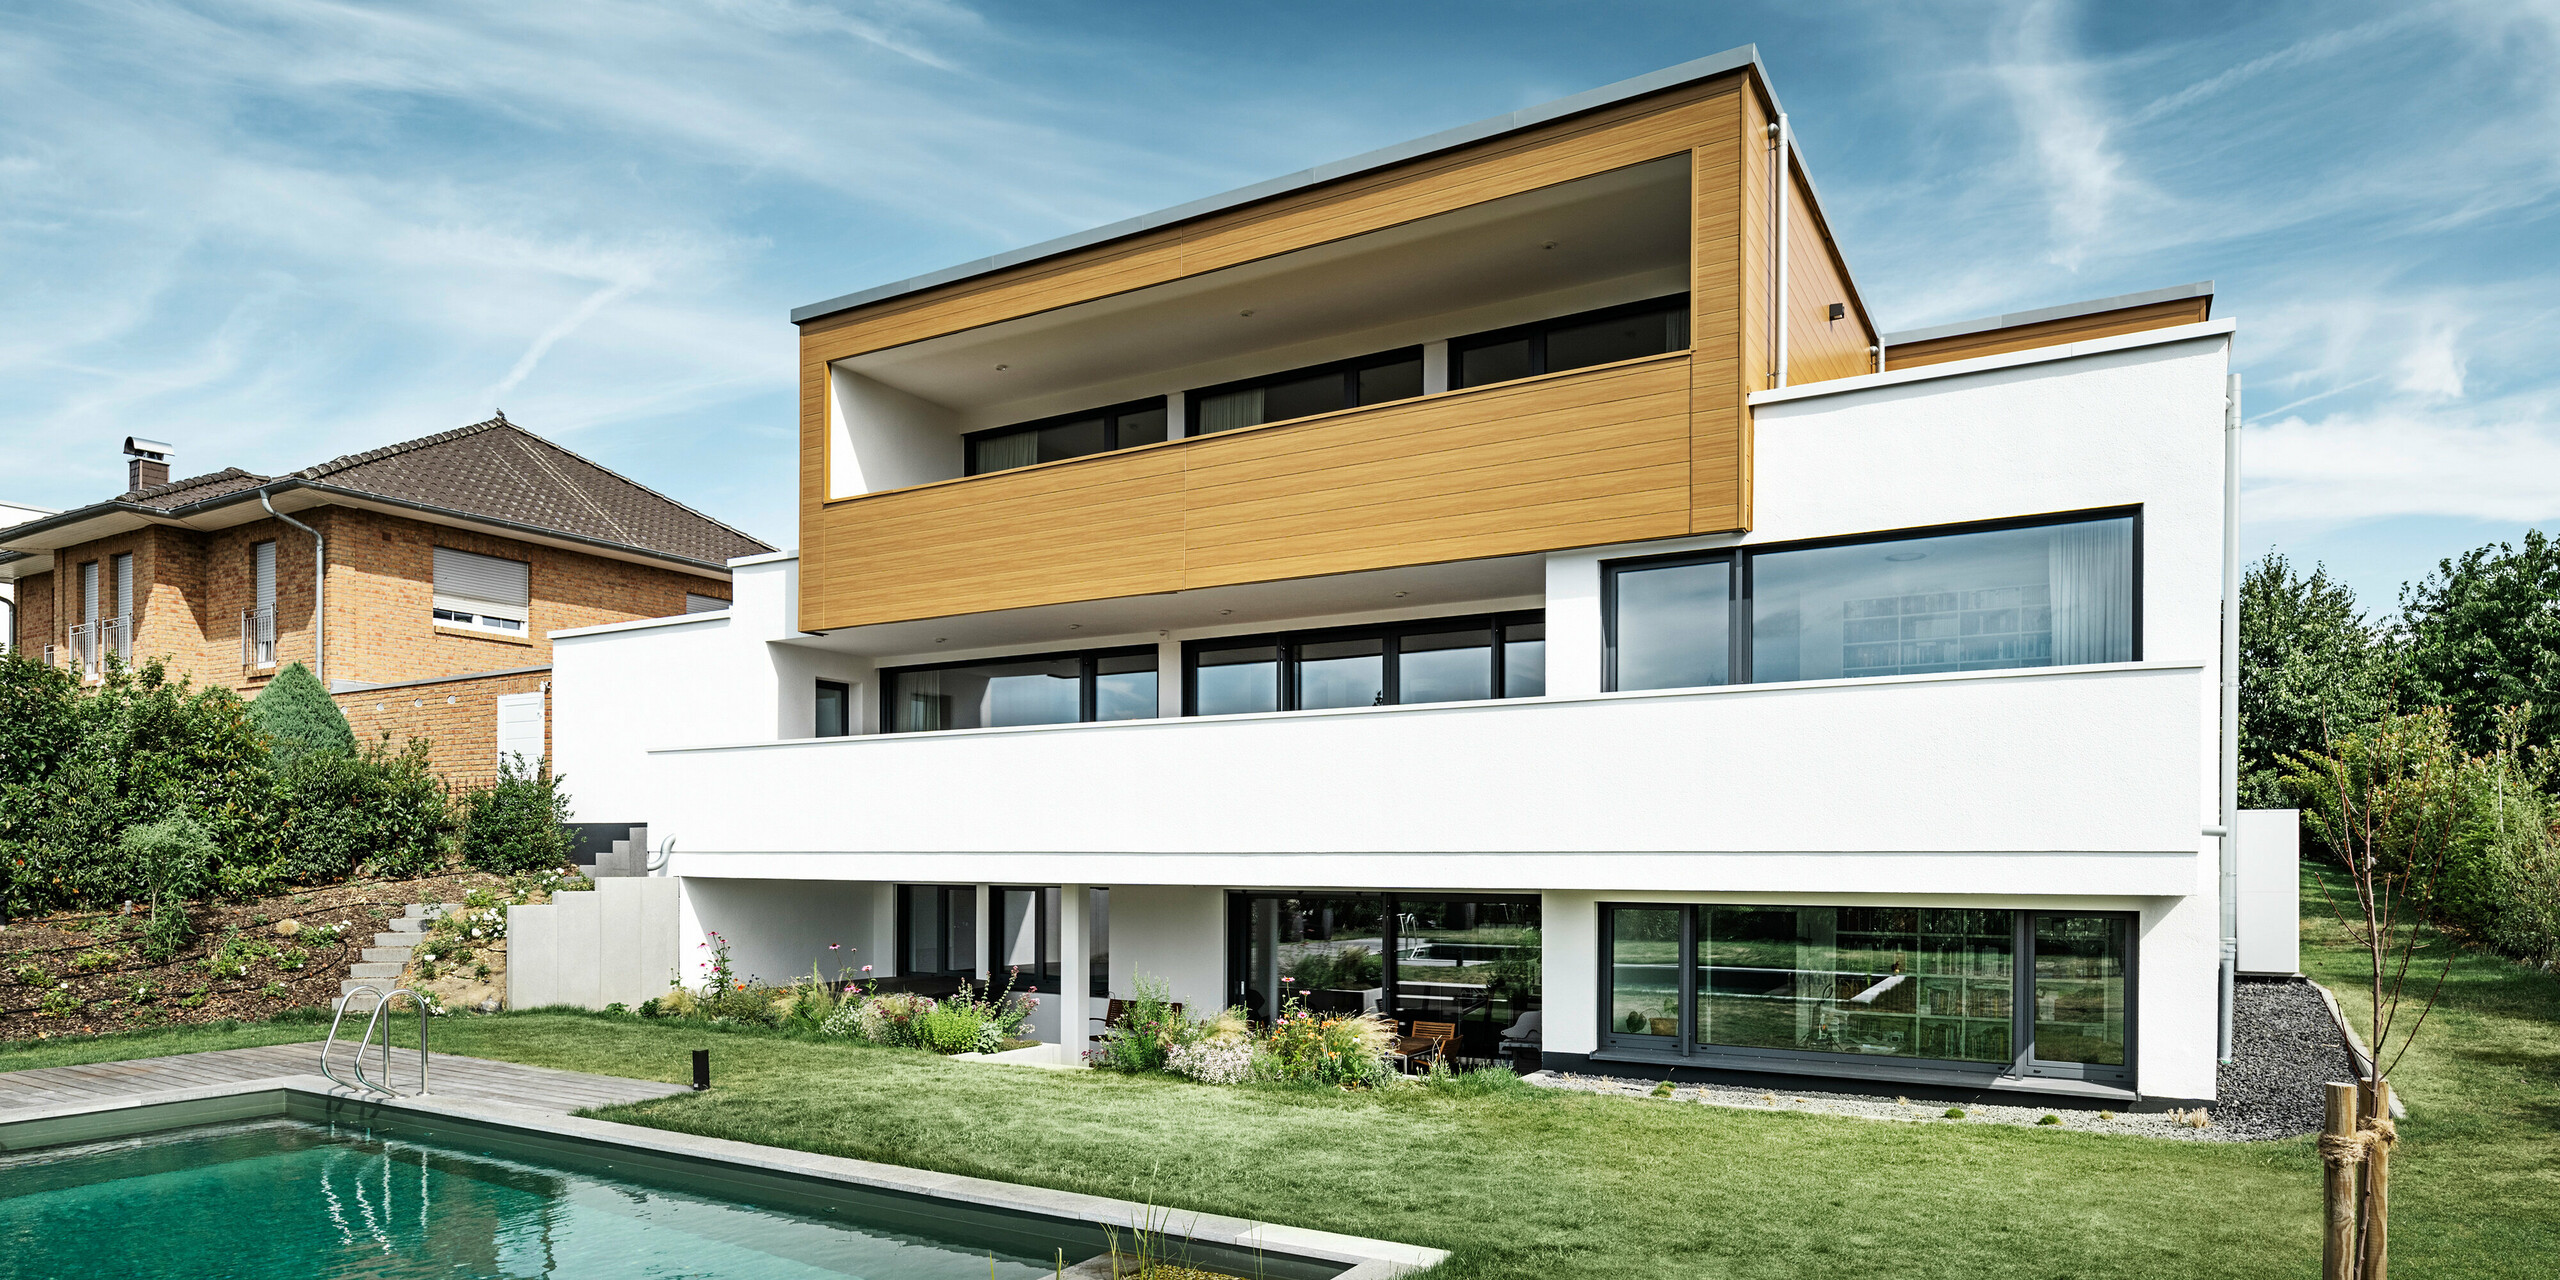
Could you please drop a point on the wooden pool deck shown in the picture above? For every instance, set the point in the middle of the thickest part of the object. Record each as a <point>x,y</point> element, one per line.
<point>448,1075</point>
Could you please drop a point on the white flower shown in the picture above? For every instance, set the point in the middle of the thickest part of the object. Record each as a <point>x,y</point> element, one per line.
<point>431,955</point>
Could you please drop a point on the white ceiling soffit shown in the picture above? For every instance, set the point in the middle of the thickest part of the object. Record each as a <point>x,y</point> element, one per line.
<point>1426,589</point>
<point>1604,227</point>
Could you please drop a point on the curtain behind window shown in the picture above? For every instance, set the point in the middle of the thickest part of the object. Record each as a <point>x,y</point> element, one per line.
<point>1230,410</point>
<point>2091,568</point>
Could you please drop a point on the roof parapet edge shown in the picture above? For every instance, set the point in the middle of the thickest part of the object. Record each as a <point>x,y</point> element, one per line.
<point>1697,69</point>
<point>2065,311</point>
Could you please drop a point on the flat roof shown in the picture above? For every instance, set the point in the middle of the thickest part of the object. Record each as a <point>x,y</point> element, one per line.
<point>1706,68</point>
<point>2066,311</point>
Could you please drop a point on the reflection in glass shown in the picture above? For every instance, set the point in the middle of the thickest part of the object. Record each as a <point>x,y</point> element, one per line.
<point>1238,680</point>
<point>834,710</point>
<point>1124,687</point>
<point>1399,381</point>
<point>1142,426</point>
<point>1524,660</point>
<point>1472,961</point>
<point>1341,673</point>
<point>941,926</point>
<point>1447,666</point>
<point>1299,397</point>
<point>1644,972</point>
<point>1674,625</point>
<point>2054,594</point>
<point>1330,950</point>
<point>2080,996</point>
<point>989,695</point>
<point>1906,982</point>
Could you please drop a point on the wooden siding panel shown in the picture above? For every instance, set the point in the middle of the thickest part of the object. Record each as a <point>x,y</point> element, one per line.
<point>1820,348</point>
<point>2048,333</point>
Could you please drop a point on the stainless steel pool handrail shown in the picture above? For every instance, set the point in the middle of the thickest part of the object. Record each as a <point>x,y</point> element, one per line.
<point>332,1042</point>
<point>380,1020</point>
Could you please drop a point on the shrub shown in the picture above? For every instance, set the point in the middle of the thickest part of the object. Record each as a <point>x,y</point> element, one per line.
<point>172,856</point>
<point>375,808</point>
<point>1955,1113</point>
<point>888,1018</point>
<point>514,824</point>
<point>1307,1048</point>
<point>950,1029</point>
<point>298,716</point>
<point>1220,1060</point>
<point>1149,1029</point>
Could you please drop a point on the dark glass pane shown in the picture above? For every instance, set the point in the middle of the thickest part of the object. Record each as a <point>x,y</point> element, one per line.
<point>833,722</point>
<point>1142,426</point>
<point>1524,660</point>
<point>1447,666</point>
<point>1299,397</point>
<point>1016,946</point>
<point>1877,981</point>
<point>2080,995</point>
<point>1071,439</point>
<point>1233,681</point>
<point>924,929</point>
<point>1644,971</point>
<point>1004,452</point>
<point>960,945</point>
<point>1341,673</point>
<point>988,695</point>
<point>1963,602</point>
<point>1124,687</point>
<point>1572,346</point>
<point>1328,954</point>
<point>1673,626</point>
<point>1399,381</point>
<point>1497,362</point>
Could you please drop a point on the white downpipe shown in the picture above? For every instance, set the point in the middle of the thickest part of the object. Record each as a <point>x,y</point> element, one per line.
<point>319,591</point>
<point>1784,176</point>
<point>2230,780</point>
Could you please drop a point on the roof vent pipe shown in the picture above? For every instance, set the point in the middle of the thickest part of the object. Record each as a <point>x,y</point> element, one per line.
<point>148,466</point>
<point>319,591</point>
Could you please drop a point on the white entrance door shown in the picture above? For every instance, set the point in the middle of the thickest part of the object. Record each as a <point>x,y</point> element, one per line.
<point>520,730</point>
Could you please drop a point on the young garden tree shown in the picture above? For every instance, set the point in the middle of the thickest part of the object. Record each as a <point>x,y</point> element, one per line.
<point>297,715</point>
<point>174,857</point>
<point>2311,669</point>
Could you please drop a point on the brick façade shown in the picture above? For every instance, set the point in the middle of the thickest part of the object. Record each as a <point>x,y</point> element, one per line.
<point>457,718</point>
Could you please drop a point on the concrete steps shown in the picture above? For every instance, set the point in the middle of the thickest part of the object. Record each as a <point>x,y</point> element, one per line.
<point>381,963</point>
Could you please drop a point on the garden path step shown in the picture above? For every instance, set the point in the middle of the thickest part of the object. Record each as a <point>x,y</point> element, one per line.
<point>392,955</point>
<point>374,969</point>
<point>398,938</point>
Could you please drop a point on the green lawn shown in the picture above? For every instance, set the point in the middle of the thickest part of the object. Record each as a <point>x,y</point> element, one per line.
<point>1537,1184</point>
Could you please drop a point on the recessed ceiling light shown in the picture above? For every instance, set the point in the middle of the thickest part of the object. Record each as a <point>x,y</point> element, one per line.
<point>940,639</point>
<point>1246,312</point>
<point>1908,555</point>
<point>1002,367</point>
<point>1224,612</point>
<point>1075,626</point>
<point>1400,595</point>
<point>1548,245</point>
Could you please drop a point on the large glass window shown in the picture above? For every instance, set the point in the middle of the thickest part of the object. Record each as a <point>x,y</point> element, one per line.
<point>1474,962</point>
<point>834,709</point>
<point>1404,663</point>
<point>1299,393</point>
<point>1067,688</point>
<point>1066,436</point>
<point>1935,984</point>
<point>2026,595</point>
<point>938,929</point>
<point>1576,341</point>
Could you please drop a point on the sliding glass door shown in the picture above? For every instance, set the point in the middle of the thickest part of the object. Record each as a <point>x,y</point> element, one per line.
<point>1936,985</point>
<point>1475,962</point>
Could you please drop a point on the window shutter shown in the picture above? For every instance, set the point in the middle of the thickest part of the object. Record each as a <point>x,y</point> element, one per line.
<point>703,604</point>
<point>89,591</point>
<point>468,582</point>
<point>124,584</point>
<point>263,560</point>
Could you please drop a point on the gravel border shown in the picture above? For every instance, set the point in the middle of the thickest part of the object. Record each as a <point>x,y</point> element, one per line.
<point>2284,1048</point>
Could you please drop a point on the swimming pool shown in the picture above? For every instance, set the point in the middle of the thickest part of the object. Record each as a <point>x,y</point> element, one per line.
<point>285,1197</point>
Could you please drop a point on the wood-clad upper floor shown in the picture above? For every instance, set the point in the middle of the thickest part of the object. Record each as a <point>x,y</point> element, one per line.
<point>2052,326</point>
<point>1665,188</point>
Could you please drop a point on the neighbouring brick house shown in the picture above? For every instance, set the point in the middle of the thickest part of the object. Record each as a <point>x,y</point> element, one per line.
<point>448,560</point>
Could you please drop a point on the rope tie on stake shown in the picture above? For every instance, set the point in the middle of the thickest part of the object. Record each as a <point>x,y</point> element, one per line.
<point>2348,1150</point>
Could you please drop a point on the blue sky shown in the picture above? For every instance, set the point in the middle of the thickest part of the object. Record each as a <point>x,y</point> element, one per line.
<point>277,231</point>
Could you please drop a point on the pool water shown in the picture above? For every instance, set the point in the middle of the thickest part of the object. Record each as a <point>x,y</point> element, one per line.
<point>287,1198</point>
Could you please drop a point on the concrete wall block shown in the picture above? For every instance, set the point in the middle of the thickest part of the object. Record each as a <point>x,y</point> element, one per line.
<point>2270,891</point>
<point>618,974</point>
<point>533,957</point>
<point>581,920</point>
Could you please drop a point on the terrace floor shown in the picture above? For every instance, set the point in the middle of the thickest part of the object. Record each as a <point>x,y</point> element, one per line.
<point>448,1075</point>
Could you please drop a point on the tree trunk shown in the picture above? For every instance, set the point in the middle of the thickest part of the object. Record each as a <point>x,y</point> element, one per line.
<point>2376,1097</point>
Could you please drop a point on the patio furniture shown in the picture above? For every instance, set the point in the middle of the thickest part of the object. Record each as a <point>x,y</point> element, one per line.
<point>1429,1040</point>
<point>1117,1010</point>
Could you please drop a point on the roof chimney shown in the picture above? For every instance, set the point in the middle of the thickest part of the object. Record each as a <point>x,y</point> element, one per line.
<point>149,465</point>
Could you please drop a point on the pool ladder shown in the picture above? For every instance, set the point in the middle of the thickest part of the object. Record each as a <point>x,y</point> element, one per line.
<point>377,1020</point>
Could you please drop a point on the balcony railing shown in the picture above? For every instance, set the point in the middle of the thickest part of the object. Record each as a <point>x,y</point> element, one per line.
<point>115,636</point>
<point>257,638</point>
<point>83,646</point>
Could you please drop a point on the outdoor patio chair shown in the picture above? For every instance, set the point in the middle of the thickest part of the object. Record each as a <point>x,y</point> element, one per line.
<point>1429,1040</point>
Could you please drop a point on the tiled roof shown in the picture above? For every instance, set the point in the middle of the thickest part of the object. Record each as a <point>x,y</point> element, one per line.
<point>192,490</point>
<point>504,472</point>
<point>494,470</point>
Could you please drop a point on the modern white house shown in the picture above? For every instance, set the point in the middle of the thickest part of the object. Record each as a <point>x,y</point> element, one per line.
<point>1504,580</point>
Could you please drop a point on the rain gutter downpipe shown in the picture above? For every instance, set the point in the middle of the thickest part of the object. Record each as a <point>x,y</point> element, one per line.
<point>319,591</point>
<point>2230,779</point>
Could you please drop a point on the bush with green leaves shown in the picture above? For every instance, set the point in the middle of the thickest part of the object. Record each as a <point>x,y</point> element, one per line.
<point>173,857</point>
<point>514,824</point>
<point>336,811</point>
<point>297,715</point>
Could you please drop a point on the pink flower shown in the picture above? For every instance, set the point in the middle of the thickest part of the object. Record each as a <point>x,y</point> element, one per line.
<point>1288,979</point>
<point>866,968</point>
<point>835,946</point>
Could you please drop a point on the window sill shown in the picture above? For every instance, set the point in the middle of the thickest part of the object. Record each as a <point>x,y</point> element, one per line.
<point>475,633</point>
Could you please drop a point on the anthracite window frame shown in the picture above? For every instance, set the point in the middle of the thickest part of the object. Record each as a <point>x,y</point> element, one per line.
<point>1738,614</point>
<point>1287,644</point>
<point>844,699</point>
<point>1684,1049</point>
<point>942,915</point>
<point>1536,332</point>
<point>1350,371</point>
<point>1085,699</point>
<point>1110,415</point>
